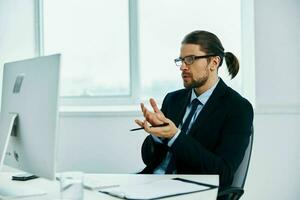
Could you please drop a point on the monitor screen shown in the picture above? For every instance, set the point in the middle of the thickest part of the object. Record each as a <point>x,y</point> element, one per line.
<point>29,115</point>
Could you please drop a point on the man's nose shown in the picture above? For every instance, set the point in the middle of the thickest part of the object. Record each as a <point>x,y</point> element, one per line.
<point>183,66</point>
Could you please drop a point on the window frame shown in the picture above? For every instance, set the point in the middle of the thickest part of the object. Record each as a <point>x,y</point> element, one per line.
<point>247,61</point>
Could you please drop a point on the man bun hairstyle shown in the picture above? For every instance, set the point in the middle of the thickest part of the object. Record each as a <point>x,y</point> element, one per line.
<point>232,63</point>
<point>210,44</point>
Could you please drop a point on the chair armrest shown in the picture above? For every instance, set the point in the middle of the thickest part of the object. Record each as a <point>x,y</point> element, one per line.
<point>231,192</point>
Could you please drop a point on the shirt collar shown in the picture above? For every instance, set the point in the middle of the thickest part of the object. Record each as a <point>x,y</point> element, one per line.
<point>203,98</point>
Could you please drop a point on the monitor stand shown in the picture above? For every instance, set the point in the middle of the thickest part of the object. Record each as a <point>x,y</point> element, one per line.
<point>8,128</point>
<point>7,187</point>
<point>13,132</point>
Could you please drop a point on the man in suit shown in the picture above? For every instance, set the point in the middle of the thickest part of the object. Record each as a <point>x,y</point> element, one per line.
<point>209,123</point>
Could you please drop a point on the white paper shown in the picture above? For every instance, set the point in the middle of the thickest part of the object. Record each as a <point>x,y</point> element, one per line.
<point>155,189</point>
<point>95,184</point>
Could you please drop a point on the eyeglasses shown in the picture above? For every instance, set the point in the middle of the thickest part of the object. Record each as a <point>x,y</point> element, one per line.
<point>188,60</point>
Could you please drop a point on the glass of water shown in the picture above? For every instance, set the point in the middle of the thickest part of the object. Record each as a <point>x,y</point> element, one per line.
<point>71,185</point>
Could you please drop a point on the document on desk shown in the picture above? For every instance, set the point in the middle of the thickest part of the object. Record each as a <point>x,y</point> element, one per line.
<point>158,189</point>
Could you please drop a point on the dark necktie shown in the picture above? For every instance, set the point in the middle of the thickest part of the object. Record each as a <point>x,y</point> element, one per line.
<point>184,129</point>
<point>187,121</point>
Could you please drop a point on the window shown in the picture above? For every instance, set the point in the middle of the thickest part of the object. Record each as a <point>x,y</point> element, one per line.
<point>125,53</point>
<point>92,37</point>
<point>164,23</point>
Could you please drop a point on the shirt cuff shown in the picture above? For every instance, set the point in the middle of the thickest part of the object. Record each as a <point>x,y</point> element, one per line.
<point>156,139</point>
<point>172,140</point>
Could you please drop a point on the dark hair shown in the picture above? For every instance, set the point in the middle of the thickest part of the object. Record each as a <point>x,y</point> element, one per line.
<point>210,44</point>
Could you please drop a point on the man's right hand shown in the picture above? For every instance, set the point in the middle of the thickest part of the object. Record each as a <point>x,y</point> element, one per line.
<point>156,118</point>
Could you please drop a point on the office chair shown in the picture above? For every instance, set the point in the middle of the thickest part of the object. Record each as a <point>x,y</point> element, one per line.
<point>236,190</point>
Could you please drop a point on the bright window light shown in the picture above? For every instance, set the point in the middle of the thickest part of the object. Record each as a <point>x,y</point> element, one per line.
<point>94,39</point>
<point>92,36</point>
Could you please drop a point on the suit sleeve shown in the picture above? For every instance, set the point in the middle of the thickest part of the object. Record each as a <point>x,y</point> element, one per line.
<point>153,152</point>
<point>225,159</point>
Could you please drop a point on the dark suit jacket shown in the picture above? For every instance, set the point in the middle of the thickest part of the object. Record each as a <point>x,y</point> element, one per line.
<point>217,140</point>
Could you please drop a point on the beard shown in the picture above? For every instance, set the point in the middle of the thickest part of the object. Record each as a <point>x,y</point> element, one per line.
<point>196,83</point>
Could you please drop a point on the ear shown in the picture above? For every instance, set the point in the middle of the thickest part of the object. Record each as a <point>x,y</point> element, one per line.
<point>214,63</point>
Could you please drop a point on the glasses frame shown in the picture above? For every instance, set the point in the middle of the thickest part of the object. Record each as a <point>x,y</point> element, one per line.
<point>183,60</point>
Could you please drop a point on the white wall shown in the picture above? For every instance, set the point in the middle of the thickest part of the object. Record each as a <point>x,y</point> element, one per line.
<point>277,30</point>
<point>275,165</point>
<point>101,142</point>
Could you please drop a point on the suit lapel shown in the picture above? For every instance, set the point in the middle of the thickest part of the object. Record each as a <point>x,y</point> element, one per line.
<point>181,105</point>
<point>210,106</point>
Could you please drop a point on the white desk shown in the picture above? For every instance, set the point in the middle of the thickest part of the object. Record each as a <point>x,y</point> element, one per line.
<point>52,187</point>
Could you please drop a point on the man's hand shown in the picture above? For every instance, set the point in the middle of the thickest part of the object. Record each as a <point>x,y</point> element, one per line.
<point>156,118</point>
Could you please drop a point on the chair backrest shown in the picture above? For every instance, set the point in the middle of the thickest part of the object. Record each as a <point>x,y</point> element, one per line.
<point>240,175</point>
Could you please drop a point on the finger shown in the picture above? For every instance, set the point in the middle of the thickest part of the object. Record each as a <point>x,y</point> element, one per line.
<point>152,130</point>
<point>147,114</point>
<point>164,132</point>
<point>144,110</point>
<point>151,117</point>
<point>139,122</point>
<point>162,118</point>
<point>154,106</point>
<point>146,126</point>
<point>142,107</point>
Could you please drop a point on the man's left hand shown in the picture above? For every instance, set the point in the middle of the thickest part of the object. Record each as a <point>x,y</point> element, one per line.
<point>156,118</point>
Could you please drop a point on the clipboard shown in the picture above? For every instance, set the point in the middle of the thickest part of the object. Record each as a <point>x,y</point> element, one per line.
<point>158,189</point>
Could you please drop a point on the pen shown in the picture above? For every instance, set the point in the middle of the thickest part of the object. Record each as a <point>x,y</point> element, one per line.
<point>160,125</point>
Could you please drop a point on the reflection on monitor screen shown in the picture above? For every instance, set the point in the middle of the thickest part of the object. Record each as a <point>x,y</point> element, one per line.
<point>29,115</point>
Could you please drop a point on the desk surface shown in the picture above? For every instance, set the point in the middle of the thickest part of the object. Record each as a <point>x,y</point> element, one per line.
<point>52,187</point>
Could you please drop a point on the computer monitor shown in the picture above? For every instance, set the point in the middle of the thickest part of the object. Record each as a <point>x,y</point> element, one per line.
<point>29,115</point>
